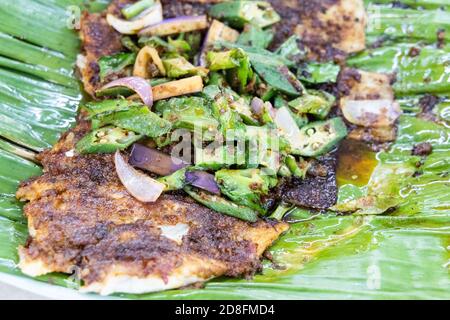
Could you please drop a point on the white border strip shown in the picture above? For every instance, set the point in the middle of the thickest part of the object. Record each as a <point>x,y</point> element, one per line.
<point>46,290</point>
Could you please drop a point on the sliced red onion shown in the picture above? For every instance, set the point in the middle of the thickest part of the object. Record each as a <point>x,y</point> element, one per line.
<point>155,161</point>
<point>217,31</point>
<point>258,106</point>
<point>176,25</point>
<point>151,16</point>
<point>202,180</point>
<point>371,113</point>
<point>139,185</point>
<point>137,84</point>
<point>288,127</point>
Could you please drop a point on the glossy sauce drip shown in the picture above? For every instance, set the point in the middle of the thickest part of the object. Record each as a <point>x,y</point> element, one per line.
<point>356,163</point>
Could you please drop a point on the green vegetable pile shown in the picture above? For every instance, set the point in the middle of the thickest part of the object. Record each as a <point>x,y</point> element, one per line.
<point>251,98</point>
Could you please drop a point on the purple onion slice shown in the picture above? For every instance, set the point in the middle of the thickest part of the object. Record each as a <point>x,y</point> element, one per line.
<point>258,106</point>
<point>139,85</point>
<point>203,180</point>
<point>139,185</point>
<point>155,161</point>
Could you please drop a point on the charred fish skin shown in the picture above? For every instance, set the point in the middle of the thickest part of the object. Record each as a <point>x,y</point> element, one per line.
<point>80,215</point>
<point>329,29</point>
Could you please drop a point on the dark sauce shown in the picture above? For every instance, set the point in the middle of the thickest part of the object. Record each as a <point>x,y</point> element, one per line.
<point>356,162</point>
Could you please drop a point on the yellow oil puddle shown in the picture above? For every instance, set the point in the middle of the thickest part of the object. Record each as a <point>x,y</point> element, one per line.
<point>356,163</point>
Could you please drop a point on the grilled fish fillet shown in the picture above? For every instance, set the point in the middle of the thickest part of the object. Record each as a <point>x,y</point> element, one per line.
<point>329,29</point>
<point>80,217</point>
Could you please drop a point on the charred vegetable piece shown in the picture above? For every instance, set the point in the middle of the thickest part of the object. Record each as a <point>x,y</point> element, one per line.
<point>180,67</point>
<point>298,169</point>
<point>107,140</point>
<point>300,119</point>
<point>202,180</point>
<point>224,60</point>
<point>281,211</point>
<point>115,63</point>
<point>317,103</point>
<point>319,72</point>
<point>259,55</point>
<point>138,119</point>
<point>267,136</point>
<point>217,32</point>
<point>232,59</point>
<point>217,158</point>
<point>318,138</point>
<point>230,121</point>
<point>238,13</point>
<point>290,49</point>
<point>255,36</point>
<point>137,8</point>
<point>239,104</point>
<point>129,44</point>
<point>245,186</point>
<point>268,159</point>
<point>155,161</point>
<point>181,46</point>
<point>222,205</point>
<point>280,78</point>
<point>284,171</point>
<point>242,106</point>
<point>106,107</point>
<point>157,43</point>
<point>280,102</point>
<point>175,181</point>
<point>188,113</point>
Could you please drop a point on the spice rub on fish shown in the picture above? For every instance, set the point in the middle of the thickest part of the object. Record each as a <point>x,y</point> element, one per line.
<point>80,216</point>
<point>329,29</point>
<point>98,39</point>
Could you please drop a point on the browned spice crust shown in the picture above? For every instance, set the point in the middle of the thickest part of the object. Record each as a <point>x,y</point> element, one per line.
<point>98,40</point>
<point>79,214</point>
<point>318,190</point>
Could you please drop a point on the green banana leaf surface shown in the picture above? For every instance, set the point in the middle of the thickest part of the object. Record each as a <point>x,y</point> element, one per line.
<point>403,254</point>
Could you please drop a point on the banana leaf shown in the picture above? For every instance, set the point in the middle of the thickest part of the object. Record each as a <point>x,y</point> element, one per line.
<point>428,72</point>
<point>396,23</point>
<point>426,4</point>
<point>400,255</point>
